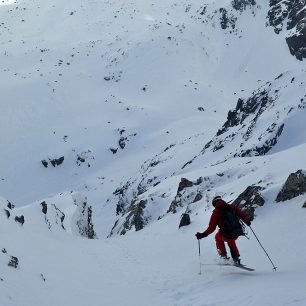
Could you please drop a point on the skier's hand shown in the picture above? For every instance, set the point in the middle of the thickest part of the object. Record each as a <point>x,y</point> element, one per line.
<point>200,235</point>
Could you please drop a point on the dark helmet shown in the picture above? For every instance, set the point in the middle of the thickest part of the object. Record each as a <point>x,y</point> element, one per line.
<point>215,199</point>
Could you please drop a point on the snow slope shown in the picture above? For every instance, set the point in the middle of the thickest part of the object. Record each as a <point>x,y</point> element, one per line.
<point>125,99</point>
<point>79,94</point>
<point>157,266</point>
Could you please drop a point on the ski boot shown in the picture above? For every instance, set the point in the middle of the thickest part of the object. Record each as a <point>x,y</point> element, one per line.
<point>236,260</point>
<point>224,258</point>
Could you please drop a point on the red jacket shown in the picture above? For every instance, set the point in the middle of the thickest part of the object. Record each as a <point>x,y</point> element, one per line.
<point>215,219</point>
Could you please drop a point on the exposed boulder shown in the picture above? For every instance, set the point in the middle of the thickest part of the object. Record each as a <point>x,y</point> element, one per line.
<point>250,199</point>
<point>184,183</point>
<point>45,163</point>
<point>198,197</point>
<point>20,219</point>
<point>7,212</point>
<point>83,158</point>
<point>14,262</point>
<point>44,207</point>
<point>10,205</point>
<point>54,162</point>
<point>294,186</point>
<point>113,150</point>
<point>57,161</point>
<point>185,220</point>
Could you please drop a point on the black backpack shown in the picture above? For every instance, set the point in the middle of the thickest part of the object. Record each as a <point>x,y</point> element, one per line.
<point>231,224</point>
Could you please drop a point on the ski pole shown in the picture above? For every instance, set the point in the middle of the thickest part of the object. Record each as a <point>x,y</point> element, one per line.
<point>200,256</point>
<point>274,267</point>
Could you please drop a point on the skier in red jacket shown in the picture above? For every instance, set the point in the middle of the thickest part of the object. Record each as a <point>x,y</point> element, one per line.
<point>226,217</point>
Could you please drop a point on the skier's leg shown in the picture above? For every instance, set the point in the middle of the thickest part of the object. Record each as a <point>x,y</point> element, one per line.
<point>233,247</point>
<point>220,245</point>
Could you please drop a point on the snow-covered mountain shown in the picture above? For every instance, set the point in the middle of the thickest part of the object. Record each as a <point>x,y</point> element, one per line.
<point>117,117</point>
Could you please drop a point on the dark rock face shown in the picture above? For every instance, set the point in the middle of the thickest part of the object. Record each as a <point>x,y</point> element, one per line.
<point>244,118</point>
<point>290,15</point>
<point>174,205</point>
<point>279,10</point>
<point>255,104</point>
<point>227,20</point>
<point>227,16</point>
<point>135,217</point>
<point>241,5</point>
<point>44,207</point>
<point>250,199</point>
<point>185,220</point>
<point>294,186</point>
<point>184,183</point>
<point>85,223</point>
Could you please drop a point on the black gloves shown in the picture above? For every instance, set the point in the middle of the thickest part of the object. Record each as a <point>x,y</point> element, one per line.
<point>200,235</point>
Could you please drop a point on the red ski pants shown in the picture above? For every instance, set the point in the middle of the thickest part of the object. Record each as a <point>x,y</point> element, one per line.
<point>220,243</point>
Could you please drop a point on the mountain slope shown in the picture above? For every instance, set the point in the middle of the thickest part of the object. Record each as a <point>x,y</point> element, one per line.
<point>67,270</point>
<point>118,117</point>
<point>110,86</point>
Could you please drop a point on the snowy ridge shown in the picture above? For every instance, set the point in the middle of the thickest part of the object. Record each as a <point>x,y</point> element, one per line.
<point>62,213</point>
<point>259,121</point>
<point>262,124</point>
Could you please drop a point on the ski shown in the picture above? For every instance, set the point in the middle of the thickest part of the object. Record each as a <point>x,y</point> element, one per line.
<point>238,266</point>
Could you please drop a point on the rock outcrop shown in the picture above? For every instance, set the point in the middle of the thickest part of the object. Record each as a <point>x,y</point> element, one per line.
<point>290,16</point>
<point>250,199</point>
<point>134,218</point>
<point>183,196</point>
<point>294,186</point>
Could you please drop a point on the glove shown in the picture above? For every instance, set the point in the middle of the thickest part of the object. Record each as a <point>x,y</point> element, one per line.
<point>200,235</point>
<point>249,223</point>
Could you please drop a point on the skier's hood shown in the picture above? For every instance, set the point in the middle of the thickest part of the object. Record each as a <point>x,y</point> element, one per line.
<point>220,204</point>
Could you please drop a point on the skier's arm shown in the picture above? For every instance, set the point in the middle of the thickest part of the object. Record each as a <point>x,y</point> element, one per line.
<point>213,222</point>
